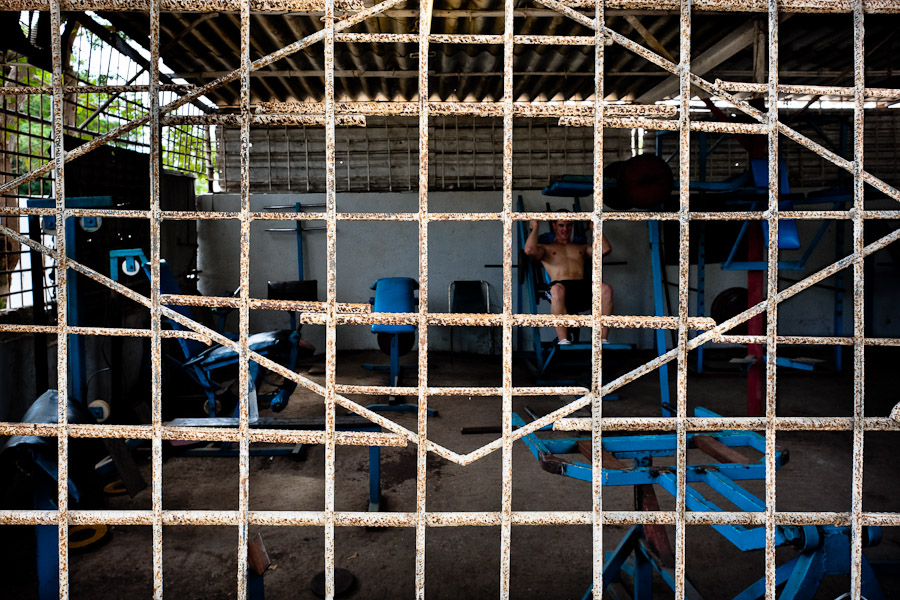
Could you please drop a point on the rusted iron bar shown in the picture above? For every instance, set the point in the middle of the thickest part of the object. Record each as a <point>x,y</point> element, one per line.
<point>244,381</point>
<point>328,394</point>
<point>436,519</point>
<point>712,424</point>
<point>156,357</point>
<point>480,109</point>
<point>459,38</point>
<point>806,215</point>
<point>263,120</point>
<point>508,108</point>
<point>597,119</point>
<point>762,6</point>
<point>381,390</point>
<point>57,152</point>
<point>256,6</point>
<point>771,322</point>
<point>660,125</point>
<point>817,90</point>
<point>423,109</point>
<point>92,89</point>
<point>202,434</point>
<point>859,393</point>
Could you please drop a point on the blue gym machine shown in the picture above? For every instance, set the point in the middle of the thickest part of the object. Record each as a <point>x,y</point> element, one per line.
<point>394,295</point>
<point>824,550</point>
<point>748,191</point>
<point>201,360</point>
<point>547,355</point>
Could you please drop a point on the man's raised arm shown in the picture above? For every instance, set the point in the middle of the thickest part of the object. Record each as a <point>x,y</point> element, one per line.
<point>532,248</point>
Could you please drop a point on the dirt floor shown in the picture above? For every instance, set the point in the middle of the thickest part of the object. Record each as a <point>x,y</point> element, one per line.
<point>464,562</point>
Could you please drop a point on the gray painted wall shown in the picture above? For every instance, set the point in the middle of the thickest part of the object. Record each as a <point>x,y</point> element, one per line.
<point>367,251</point>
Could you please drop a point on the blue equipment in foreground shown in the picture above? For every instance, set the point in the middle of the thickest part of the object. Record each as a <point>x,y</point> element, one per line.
<point>824,550</point>
<point>394,295</point>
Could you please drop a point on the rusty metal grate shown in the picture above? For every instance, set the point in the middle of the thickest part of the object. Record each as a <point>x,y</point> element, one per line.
<point>331,313</point>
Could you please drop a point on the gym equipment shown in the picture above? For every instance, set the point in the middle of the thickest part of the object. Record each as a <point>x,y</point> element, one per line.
<point>394,295</point>
<point>548,357</point>
<point>284,346</point>
<point>469,297</point>
<point>824,550</point>
<point>37,456</point>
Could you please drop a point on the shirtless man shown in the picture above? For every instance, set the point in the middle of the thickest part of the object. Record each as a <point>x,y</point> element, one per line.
<point>564,260</point>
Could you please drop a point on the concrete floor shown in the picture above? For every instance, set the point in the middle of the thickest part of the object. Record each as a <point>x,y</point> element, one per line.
<point>464,562</point>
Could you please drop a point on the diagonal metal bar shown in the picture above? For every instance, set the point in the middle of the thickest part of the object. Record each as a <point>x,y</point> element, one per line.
<point>307,41</point>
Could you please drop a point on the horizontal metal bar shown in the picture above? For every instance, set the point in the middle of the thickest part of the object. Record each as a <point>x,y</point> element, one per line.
<point>438,519</point>
<point>481,109</point>
<point>201,434</point>
<point>728,423</point>
<point>816,90</point>
<point>27,90</point>
<point>257,6</point>
<point>761,6</point>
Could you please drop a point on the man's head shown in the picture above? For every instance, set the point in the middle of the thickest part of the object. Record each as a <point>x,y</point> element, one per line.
<point>562,229</point>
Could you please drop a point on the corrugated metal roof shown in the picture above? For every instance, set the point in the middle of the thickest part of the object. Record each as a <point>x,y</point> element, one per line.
<point>814,49</point>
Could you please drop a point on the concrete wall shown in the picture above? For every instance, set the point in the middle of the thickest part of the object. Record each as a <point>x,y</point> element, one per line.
<point>367,251</point>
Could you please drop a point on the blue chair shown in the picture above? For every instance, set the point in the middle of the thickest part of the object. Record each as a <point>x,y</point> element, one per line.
<point>394,295</point>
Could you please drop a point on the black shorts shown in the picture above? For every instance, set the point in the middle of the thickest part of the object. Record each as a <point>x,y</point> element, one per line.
<point>578,295</point>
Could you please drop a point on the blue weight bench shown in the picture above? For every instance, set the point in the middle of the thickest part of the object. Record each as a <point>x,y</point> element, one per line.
<point>394,295</point>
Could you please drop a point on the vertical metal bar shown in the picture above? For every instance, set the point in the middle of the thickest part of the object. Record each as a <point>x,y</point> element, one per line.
<point>856,494</point>
<point>597,295</point>
<point>62,317</point>
<point>506,484</point>
<point>772,291</point>
<point>331,291</point>
<point>244,382</point>
<point>683,289</point>
<point>425,8</point>
<point>155,314</point>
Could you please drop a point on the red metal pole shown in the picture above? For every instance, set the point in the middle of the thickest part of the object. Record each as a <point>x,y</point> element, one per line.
<point>756,289</point>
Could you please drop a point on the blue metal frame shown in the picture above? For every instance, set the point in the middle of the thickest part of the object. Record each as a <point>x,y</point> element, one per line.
<point>836,201</point>
<point>659,310</point>
<point>78,388</point>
